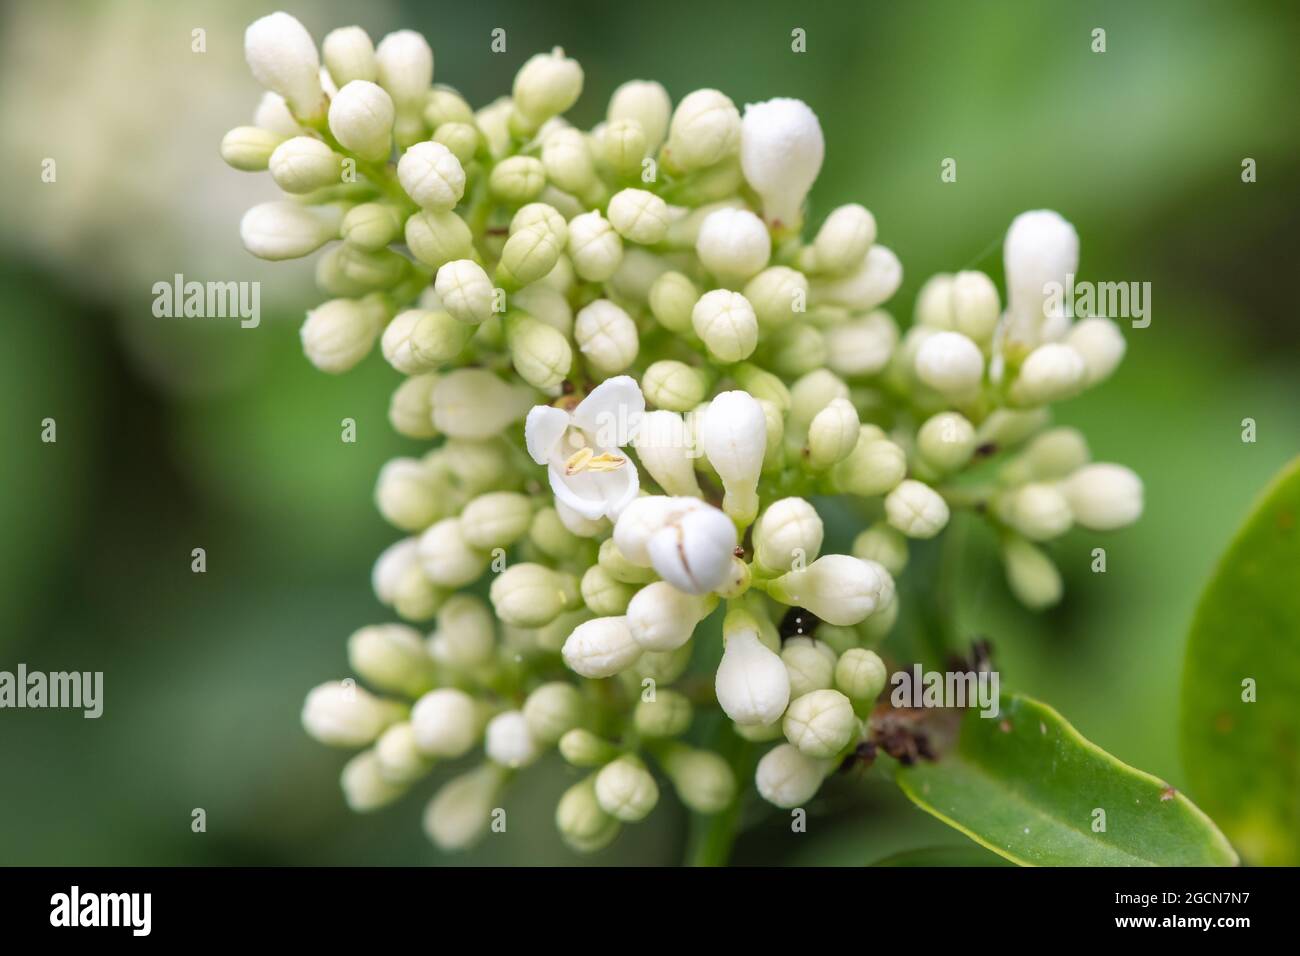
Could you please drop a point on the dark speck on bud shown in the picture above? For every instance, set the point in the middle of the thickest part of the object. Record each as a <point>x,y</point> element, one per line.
<point>798,622</point>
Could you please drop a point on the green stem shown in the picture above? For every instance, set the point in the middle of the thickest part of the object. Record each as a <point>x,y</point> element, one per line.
<point>712,837</point>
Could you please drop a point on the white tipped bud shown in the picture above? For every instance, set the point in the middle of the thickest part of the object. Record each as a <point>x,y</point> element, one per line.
<point>509,742</point>
<point>446,723</point>
<point>787,777</point>
<point>1038,511</point>
<point>838,588</point>
<point>833,434</point>
<point>946,441</point>
<point>474,403</point>
<point>340,333</point>
<point>705,128</point>
<point>460,812</point>
<point>552,710</point>
<point>404,64</point>
<point>950,363</point>
<point>664,445</point>
<point>869,286</point>
<point>639,216</point>
<point>820,723</point>
<point>1052,372</point>
<point>349,55</point>
<point>1033,578</point>
<point>726,323</point>
<point>341,714</point>
<point>287,230</point>
<point>391,657</point>
<point>1104,497</point>
<point>733,244</point>
<point>693,550</point>
<point>361,119</point>
<point>594,247</point>
<point>1101,345</point>
<point>752,684</point>
<point>646,103</point>
<point>465,290</point>
<point>1041,248</point>
<point>641,519</point>
<point>781,152</point>
<point>662,618</point>
<point>733,436</point>
<point>601,648</point>
<point>916,509</point>
<point>626,790</point>
<point>272,114</point>
<point>843,240</point>
<point>607,336</point>
<point>365,787</point>
<point>282,56</point>
<point>447,557</point>
<point>790,530</point>
<point>399,760</point>
<point>532,595</point>
<point>546,85</point>
<point>861,674</point>
<point>431,175</point>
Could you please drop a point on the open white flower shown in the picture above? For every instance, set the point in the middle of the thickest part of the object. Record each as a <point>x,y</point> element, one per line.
<point>581,448</point>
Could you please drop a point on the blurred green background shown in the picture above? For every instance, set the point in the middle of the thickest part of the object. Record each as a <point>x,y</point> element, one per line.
<point>183,433</point>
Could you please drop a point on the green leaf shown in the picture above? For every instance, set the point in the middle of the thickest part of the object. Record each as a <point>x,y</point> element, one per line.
<point>1243,758</point>
<point>968,855</point>
<point>1027,785</point>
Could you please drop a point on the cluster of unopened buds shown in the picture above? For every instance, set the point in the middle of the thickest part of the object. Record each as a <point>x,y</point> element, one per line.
<point>640,375</point>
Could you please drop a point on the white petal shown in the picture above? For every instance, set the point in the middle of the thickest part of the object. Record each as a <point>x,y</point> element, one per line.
<point>611,414</point>
<point>543,429</point>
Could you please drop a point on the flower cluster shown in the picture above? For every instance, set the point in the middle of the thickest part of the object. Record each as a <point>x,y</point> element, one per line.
<point>638,369</point>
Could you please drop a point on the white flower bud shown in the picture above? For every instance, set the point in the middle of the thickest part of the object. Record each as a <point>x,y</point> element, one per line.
<point>1038,511</point>
<point>546,85</point>
<point>496,520</point>
<point>349,55</point>
<point>663,444</point>
<point>530,253</point>
<point>789,529</point>
<point>552,710</point>
<point>874,467</point>
<point>447,558</point>
<point>282,56</point>
<point>340,714</point>
<point>272,114</point>
<point>820,723</point>
<point>1101,345</point>
<point>752,684</point>
<point>474,403</point>
<point>662,618</point>
<point>843,240</point>
<point>833,434</point>
<point>465,637</point>
<point>861,674</point>
<point>733,244</point>
<point>861,347</point>
<point>703,780</point>
<point>781,152</point>
<point>391,657</point>
<point>446,723</point>
<point>431,176</point>
<point>601,648</point>
<point>626,790</point>
<point>437,237</point>
<point>916,509</point>
<point>364,786</point>
<point>809,663</point>
<point>1054,454</point>
<point>1104,497</point>
<point>509,742</point>
<point>461,138</point>
<point>1032,576</point>
<point>646,103</point>
<point>408,494</point>
<point>666,715</point>
<point>410,411</point>
<point>287,230</point>
<point>885,545</point>
<point>399,760</point>
<point>603,595</point>
<point>607,336</point>
<point>594,246</point>
<point>532,595</point>
<point>541,355</point>
<point>340,333</point>
<point>1052,372</point>
<point>460,812</point>
<point>544,215</point>
<point>838,588</point>
<point>871,285</point>
<point>566,158</point>
<point>672,299</point>
<point>517,179</point>
<point>371,226</point>
<point>622,145</point>
<point>639,216</point>
<point>733,436</point>
<point>946,441</point>
<point>787,777</point>
<point>404,65</point>
<point>975,307</point>
<point>249,148</point>
<point>810,394</point>
<point>693,550</point>
<point>417,340</point>
<point>361,119</point>
<point>777,294</point>
<point>726,323</point>
<point>1041,248</point>
<point>465,290</point>
<point>950,363</point>
<point>705,128</point>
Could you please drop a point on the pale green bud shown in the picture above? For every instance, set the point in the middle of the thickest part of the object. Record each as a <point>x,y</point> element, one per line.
<point>370,271</point>
<point>418,340</point>
<point>762,384</point>
<point>840,639</point>
<point>861,347</point>
<point>404,65</point>
<point>601,647</point>
<point>566,159</point>
<point>833,434</point>
<point>399,582</point>
<point>531,595</point>
<point>639,216</point>
<point>543,215</point>
<point>1101,345</point>
<point>249,148</point>
<point>810,394</point>
<point>672,300</point>
<point>934,302</point>
<point>1037,510</point>
<point>594,247</point>
<point>444,105</point>
<point>885,545</point>
<point>465,290</point>
<point>623,145</point>
<point>789,530</point>
<point>774,457</point>
<point>552,536</point>
<point>371,226</point>
<point>820,723</point>
<point>810,665</point>
<point>665,447</point>
<point>837,588</point>
<point>1104,497</point>
<point>861,674</point>
<point>582,748</point>
<point>703,780</point>
<point>431,175</point>
<point>435,237</point>
<point>618,567</point>
<point>364,785</point>
<point>509,742</point>
<point>400,761</point>
<point>725,322</point>
<point>349,55</point>
<point>496,520</point>
<point>408,495</point>
<point>645,103</point>
<point>462,139</point>
<point>777,294</point>
<point>675,385</point>
<point>733,244</point>
<point>874,467</point>
<point>546,85</point>
<point>341,332</point>
<point>975,306</point>
<point>546,305</point>
<point>797,349</point>
<point>447,558</point>
<point>465,636</point>
<point>551,638</point>
<point>583,825</point>
<point>529,254</point>
<point>916,509</point>
<point>602,594</point>
<point>1032,576</point>
<point>361,118</point>
<point>705,128</point>
<point>661,618</point>
<point>788,778</point>
<point>950,363</point>
<point>1053,454</point>
<point>1007,427</point>
<point>517,179</point>
<point>552,710</point>
<point>668,715</point>
<point>287,230</point>
<point>1051,373</point>
<point>606,336</point>
<point>460,812</point>
<point>843,239</point>
<point>946,441</point>
<point>410,411</point>
<point>760,733</point>
<point>446,723</point>
<point>871,285</point>
<point>478,464</point>
<point>340,714</point>
<point>541,355</point>
<point>662,667</point>
<point>626,790</point>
